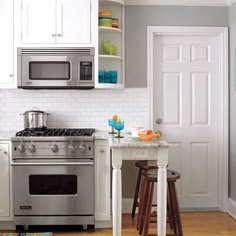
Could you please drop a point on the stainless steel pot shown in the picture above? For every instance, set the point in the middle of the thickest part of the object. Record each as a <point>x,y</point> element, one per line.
<point>35,119</point>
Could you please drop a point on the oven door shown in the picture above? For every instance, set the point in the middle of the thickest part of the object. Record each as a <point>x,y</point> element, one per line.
<point>48,71</point>
<point>41,189</point>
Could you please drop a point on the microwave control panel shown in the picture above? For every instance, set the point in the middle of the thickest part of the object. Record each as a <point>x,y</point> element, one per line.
<point>86,68</point>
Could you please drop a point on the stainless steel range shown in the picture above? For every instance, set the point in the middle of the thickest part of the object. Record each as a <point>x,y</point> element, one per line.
<point>53,177</point>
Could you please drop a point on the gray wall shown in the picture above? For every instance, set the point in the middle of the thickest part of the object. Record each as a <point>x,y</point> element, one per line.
<point>137,18</point>
<point>232,161</point>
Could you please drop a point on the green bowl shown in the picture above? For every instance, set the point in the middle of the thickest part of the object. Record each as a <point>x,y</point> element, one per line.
<point>105,22</point>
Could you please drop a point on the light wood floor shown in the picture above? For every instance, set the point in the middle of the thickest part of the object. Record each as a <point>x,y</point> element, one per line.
<point>194,224</point>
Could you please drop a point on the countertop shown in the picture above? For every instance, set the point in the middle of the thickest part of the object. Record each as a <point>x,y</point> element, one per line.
<point>129,141</point>
<point>6,136</point>
<point>101,135</point>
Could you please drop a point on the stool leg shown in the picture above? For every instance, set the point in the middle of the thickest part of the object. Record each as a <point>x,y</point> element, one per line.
<point>171,207</point>
<point>143,204</point>
<point>176,211</point>
<point>147,214</point>
<point>135,203</point>
<point>141,200</point>
<point>170,216</point>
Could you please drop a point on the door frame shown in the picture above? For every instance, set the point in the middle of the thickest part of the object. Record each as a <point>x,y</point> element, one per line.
<point>222,33</point>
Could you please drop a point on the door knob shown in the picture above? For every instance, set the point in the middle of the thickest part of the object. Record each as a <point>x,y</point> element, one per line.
<point>158,121</point>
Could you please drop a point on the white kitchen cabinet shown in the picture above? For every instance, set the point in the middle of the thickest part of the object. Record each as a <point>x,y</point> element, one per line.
<point>102,183</point>
<point>5,182</point>
<point>58,22</point>
<point>6,40</point>
<point>38,19</point>
<point>116,37</point>
<point>73,22</point>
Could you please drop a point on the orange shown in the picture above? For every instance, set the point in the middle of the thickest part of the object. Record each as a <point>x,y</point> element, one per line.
<point>115,117</point>
<point>149,131</point>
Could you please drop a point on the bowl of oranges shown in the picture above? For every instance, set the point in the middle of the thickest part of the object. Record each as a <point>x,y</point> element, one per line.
<point>148,135</point>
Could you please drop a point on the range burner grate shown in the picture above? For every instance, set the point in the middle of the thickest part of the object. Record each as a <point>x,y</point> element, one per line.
<point>56,132</point>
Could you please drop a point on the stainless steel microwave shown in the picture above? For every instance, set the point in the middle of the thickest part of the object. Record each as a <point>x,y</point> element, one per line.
<point>50,68</point>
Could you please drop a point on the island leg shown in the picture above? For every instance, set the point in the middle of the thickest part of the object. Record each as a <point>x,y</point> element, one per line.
<point>162,191</point>
<point>116,192</point>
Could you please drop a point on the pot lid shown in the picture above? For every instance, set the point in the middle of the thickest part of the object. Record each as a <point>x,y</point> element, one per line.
<point>35,111</point>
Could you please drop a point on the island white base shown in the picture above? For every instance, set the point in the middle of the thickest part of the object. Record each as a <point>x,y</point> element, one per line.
<point>129,149</point>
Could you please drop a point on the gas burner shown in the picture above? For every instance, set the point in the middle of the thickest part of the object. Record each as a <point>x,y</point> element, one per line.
<point>55,132</point>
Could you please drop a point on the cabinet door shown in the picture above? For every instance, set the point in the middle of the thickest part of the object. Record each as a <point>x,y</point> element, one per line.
<point>102,181</point>
<point>38,21</point>
<point>74,21</point>
<point>4,182</point>
<point>6,40</point>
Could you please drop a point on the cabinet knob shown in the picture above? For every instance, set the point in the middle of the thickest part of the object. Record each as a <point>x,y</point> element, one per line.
<point>10,75</point>
<point>59,35</point>
<point>53,35</point>
<point>5,152</point>
<point>102,151</point>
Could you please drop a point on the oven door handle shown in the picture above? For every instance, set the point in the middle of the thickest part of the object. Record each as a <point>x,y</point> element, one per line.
<point>87,163</point>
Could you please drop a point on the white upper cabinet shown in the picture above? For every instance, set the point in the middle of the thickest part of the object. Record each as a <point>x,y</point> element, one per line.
<point>38,19</point>
<point>6,40</point>
<point>73,21</point>
<point>57,22</point>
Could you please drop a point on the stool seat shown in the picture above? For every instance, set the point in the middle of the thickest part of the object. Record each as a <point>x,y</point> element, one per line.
<point>145,165</point>
<point>172,175</point>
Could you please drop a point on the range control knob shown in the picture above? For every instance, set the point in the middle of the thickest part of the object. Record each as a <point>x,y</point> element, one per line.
<point>32,148</point>
<point>21,148</point>
<point>72,148</point>
<point>54,148</point>
<point>82,148</point>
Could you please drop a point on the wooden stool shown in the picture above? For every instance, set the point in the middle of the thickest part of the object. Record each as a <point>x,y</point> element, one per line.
<point>149,179</point>
<point>143,168</point>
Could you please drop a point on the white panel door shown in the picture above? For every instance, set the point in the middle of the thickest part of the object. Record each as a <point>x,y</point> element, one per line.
<point>73,21</point>
<point>38,21</point>
<point>6,40</point>
<point>186,98</point>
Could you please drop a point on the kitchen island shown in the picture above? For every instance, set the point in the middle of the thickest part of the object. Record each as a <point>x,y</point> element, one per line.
<point>130,148</point>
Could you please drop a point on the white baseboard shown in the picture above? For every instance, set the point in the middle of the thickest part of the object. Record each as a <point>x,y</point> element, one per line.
<point>103,224</point>
<point>7,225</point>
<point>232,208</point>
<point>127,204</point>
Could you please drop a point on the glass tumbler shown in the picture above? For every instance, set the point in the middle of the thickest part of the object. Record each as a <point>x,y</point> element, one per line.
<point>119,126</point>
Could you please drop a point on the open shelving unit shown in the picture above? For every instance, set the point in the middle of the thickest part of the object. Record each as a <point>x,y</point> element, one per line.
<point>116,37</point>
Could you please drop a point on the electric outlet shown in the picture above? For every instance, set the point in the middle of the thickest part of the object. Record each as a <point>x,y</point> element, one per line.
<point>140,153</point>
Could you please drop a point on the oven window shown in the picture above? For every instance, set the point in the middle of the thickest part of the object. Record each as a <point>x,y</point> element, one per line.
<point>48,70</point>
<point>53,184</point>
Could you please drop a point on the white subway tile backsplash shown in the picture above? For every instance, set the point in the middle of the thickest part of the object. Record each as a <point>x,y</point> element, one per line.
<point>74,108</point>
